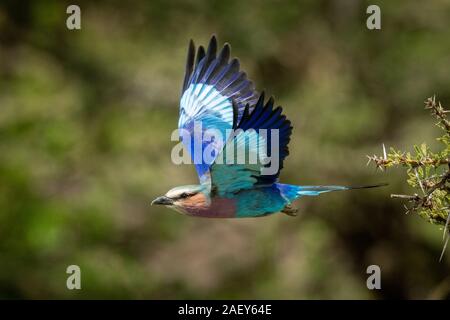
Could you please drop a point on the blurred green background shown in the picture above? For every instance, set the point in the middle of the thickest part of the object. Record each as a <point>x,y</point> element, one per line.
<point>85,124</point>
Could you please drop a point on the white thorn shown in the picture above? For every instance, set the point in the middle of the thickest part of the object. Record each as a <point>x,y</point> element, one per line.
<point>446,225</point>
<point>384,152</point>
<point>406,208</point>
<point>443,249</point>
<point>420,181</point>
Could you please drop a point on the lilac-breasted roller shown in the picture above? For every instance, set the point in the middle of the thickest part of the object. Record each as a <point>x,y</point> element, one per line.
<point>216,95</point>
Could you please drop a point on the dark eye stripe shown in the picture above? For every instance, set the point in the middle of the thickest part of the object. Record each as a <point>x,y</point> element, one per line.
<point>186,195</point>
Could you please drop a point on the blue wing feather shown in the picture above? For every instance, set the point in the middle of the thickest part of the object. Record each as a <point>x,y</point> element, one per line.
<point>231,178</point>
<point>265,117</point>
<point>214,94</point>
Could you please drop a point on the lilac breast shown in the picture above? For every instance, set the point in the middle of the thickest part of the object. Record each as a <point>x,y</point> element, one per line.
<point>219,208</point>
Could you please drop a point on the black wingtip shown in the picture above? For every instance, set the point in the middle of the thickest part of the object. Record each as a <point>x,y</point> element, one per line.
<point>225,53</point>
<point>200,55</point>
<point>189,64</point>
<point>191,53</point>
<point>270,102</point>
<point>261,98</point>
<point>212,47</point>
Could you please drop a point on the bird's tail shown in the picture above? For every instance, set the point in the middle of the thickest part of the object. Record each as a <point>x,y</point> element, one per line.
<point>293,192</point>
<point>316,190</point>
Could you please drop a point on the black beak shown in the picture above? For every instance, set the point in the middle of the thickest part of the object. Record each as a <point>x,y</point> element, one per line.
<point>165,201</point>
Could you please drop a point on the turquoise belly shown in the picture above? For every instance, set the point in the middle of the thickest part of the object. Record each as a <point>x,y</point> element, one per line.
<point>258,202</point>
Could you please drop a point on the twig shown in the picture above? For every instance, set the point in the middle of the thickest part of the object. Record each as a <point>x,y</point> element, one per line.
<point>438,111</point>
<point>430,204</point>
<point>382,162</point>
<point>405,196</point>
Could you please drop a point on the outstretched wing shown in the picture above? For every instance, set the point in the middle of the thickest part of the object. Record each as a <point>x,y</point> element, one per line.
<point>214,97</point>
<point>261,136</point>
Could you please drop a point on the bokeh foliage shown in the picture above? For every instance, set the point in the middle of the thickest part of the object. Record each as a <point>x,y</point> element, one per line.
<point>85,125</point>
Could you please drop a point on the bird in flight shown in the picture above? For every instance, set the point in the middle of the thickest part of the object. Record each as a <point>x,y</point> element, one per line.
<point>216,96</point>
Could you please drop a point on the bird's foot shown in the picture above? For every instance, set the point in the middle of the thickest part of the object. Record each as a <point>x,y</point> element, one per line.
<point>290,211</point>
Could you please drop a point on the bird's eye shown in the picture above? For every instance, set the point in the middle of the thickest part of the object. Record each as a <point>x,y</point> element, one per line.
<point>184,195</point>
